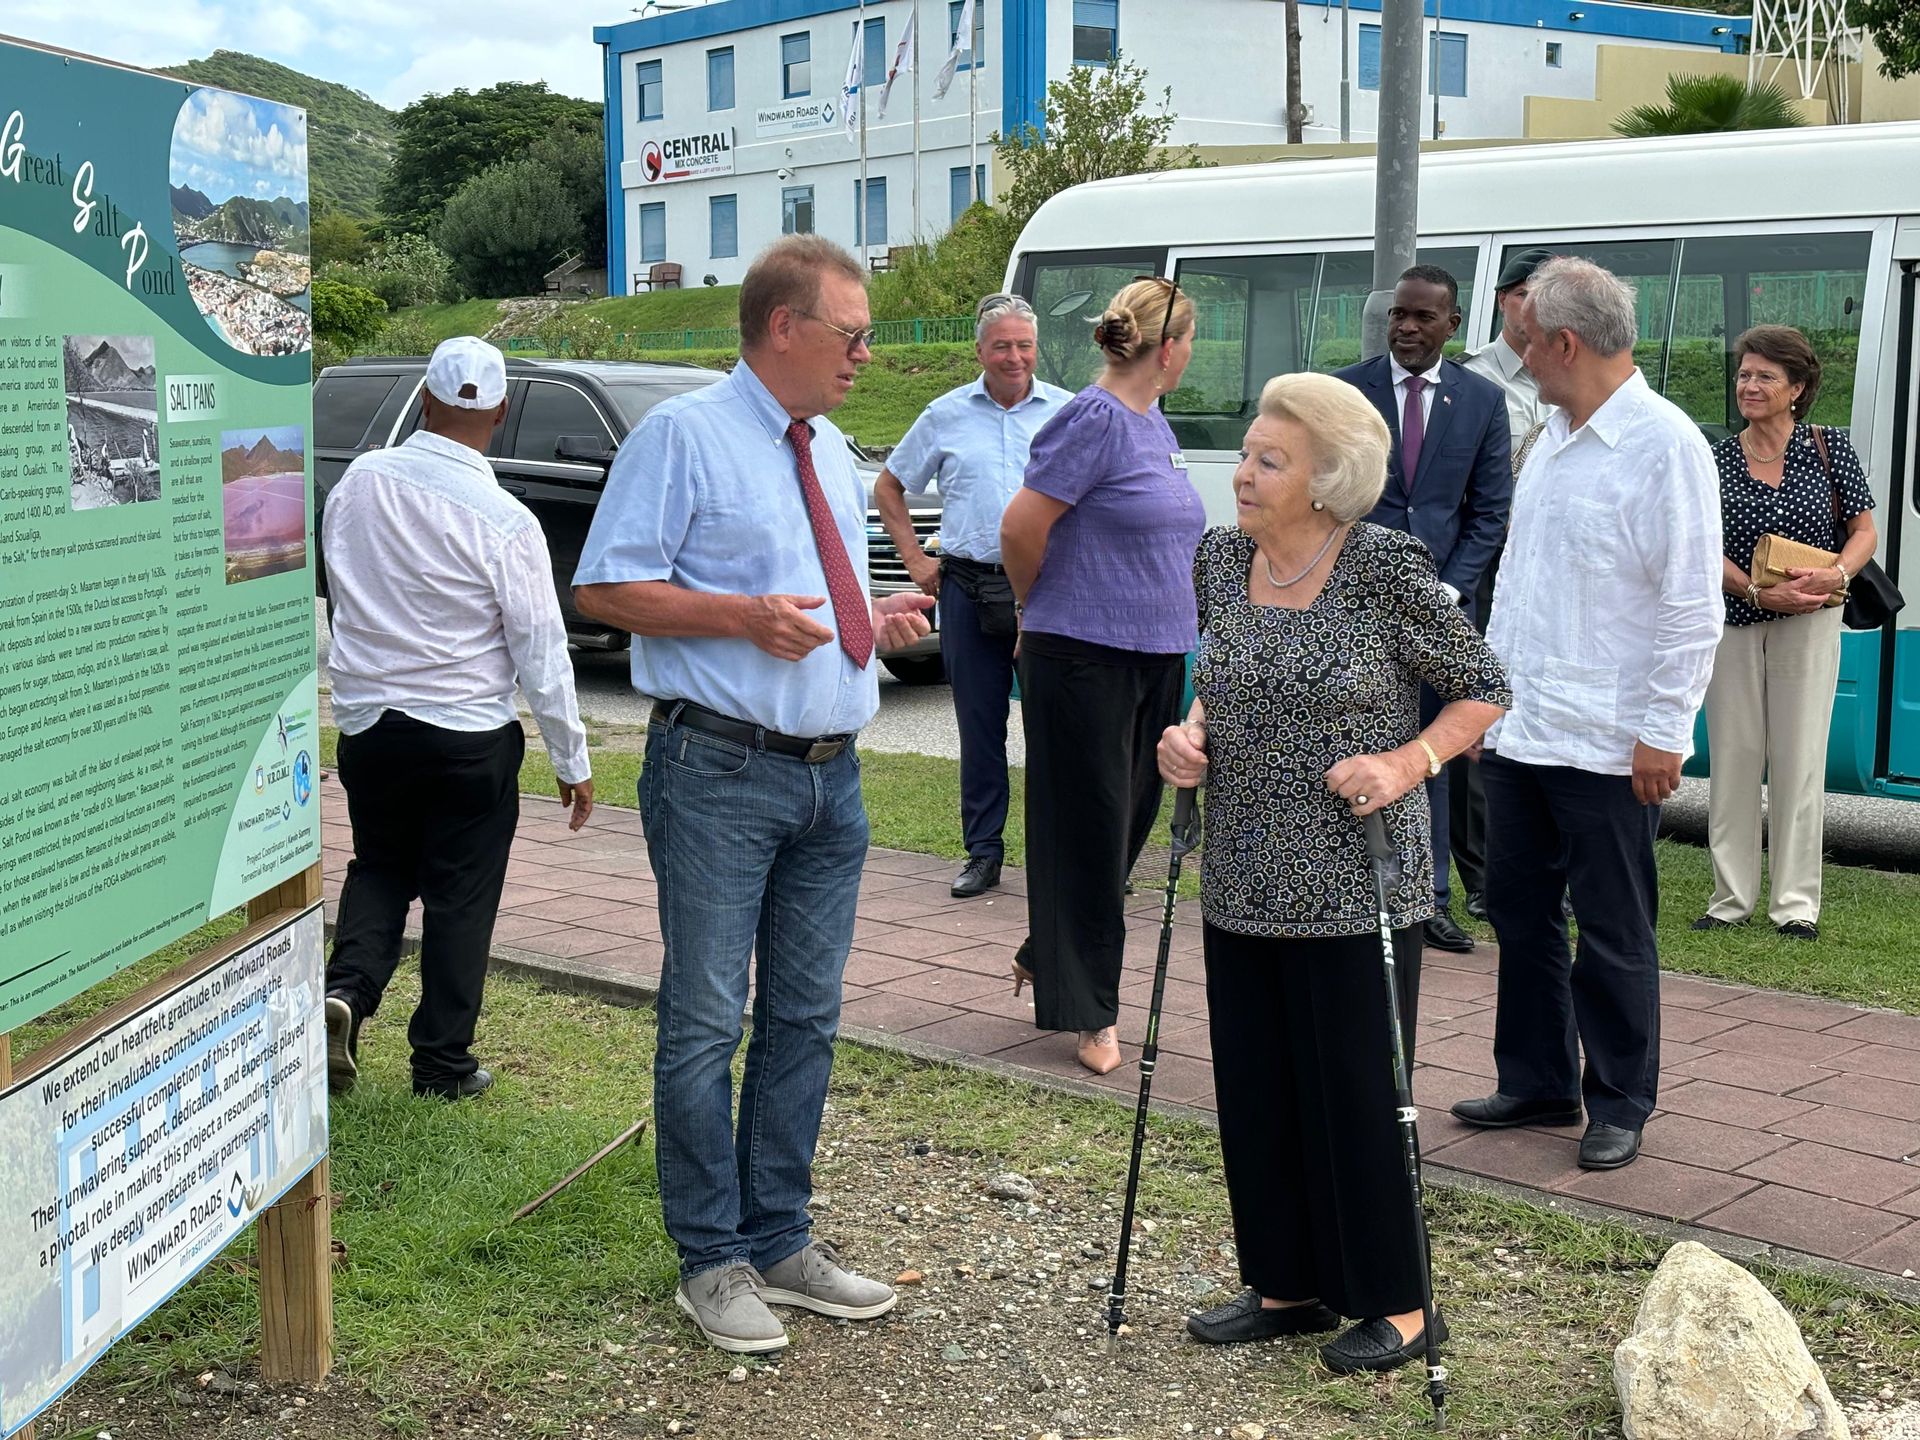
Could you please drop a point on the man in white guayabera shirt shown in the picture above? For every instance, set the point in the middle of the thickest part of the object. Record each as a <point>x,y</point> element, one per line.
<point>443,601</point>
<point>1606,615</point>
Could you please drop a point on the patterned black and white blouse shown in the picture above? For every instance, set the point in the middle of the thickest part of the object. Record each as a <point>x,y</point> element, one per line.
<point>1289,694</point>
<point>1800,509</point>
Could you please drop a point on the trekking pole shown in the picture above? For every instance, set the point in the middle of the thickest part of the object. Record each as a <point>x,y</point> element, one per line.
<point>1385,864</point>
<point>1186,835</point>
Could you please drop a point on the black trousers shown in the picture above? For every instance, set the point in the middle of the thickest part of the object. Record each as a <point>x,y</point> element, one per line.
<point>433,814</point>
<point>1093,793</point>
<point>1553,830</point>
<point>1303,1079</point>
<point>980,670</point>
<point>1466,794</point>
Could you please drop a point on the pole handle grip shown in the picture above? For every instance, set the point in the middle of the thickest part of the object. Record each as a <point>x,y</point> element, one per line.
<point>1186,808</point>
<point>1378,846</point>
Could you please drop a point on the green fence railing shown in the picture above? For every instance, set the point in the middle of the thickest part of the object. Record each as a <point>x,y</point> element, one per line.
<point>922,331</point>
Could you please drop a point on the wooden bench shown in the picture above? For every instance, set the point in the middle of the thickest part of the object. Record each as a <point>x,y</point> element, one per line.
<point>663,276</point>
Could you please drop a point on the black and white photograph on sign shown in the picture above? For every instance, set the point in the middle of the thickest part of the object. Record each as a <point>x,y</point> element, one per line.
<point>263,501</point>
<point>113,448</point>
<point>238,174</point>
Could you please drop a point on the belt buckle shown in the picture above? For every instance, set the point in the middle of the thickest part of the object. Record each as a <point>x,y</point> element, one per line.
<point>822,751</point>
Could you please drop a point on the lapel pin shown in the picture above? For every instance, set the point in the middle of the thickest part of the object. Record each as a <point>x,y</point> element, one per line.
<point>1446,399</point>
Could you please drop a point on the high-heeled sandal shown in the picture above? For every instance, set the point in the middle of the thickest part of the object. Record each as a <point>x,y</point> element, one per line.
<point>1021,976</point>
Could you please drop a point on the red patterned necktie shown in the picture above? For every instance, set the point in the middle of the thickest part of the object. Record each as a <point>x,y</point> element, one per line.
<point>852,611</point>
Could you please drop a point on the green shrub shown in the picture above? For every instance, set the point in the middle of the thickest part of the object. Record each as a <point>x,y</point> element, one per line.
<point>348,315</point>
<point>403,335</point>
<point>949,276</point>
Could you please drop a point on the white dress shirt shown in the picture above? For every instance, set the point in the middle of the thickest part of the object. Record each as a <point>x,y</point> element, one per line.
<point>1608,606</point>
<point>442,598</point>
<point>1501,363</point>
<point>1400,377</point>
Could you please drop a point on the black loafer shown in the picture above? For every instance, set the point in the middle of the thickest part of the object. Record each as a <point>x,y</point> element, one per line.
<point>1608,1147</point>
<point>465,1088</point>
<point>1711,922</point>
<point>343,1045</point>
<point>1799,930</point>
<point>1244,1318</point>
<point>1376,1345</point>
<point>1476,905</point>
<point>1498,1112</point>
<point>1443,934</point>
<point>982,873</point>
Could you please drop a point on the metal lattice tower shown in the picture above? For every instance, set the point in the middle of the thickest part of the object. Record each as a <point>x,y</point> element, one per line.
<point>1797,43</point>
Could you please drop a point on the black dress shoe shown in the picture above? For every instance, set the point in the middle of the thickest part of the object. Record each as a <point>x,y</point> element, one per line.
<point>1376,1345</point>
<point>1799,930</point>
<point>1443,934</point>
<point>1498,1112</point>
<point>1476,905</point>
<point>1244,1318</point>
<point>343,1045</point>
<point>981,875</point>
<point>465,1088</point>
<point>1608,1147</point>
<point>1711,922</point>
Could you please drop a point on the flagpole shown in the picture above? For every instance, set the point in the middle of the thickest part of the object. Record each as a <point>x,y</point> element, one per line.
<point>860,219</point>
<point>914,10</point>
<point>973,116</point>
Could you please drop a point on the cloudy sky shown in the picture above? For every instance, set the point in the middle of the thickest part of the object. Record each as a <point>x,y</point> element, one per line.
<point>226,145</point>
<point>394,50</point>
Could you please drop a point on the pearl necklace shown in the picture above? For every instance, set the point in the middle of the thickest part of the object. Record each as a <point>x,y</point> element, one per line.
<point>1277,583</point>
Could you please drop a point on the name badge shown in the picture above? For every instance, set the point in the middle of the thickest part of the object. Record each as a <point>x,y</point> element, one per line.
<point>1178,460</point>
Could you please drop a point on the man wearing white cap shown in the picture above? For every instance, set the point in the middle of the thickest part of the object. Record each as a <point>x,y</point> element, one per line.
<point>443,602</point>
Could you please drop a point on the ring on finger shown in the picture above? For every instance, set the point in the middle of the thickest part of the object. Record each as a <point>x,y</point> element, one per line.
<point>1360,800</point>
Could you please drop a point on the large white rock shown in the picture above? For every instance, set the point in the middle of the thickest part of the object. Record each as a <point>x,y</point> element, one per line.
<point>1713,1356</point>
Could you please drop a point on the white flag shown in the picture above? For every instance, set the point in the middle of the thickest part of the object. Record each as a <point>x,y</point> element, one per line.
<point>850,87</point>
<point>962,45</point>
<point>902,60</point>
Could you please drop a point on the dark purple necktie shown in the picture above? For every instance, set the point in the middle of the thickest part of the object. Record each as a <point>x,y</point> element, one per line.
<point>1413,431</point>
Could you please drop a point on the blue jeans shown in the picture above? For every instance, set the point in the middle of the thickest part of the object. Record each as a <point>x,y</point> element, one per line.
<point>758,859</point>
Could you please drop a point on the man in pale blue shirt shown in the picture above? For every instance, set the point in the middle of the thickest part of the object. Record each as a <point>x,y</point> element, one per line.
<point>974,442</point>
<point>731,543</point>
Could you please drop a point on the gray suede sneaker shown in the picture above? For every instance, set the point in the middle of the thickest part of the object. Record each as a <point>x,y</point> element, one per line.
<point>814,1279</point>
<point>726,1304</point>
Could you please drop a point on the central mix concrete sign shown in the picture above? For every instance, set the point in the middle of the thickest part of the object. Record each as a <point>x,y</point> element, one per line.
<point>679,157</point>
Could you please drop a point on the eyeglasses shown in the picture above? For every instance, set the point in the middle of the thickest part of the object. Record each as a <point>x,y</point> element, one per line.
<point>856,339</point>
<point>1173,297</point>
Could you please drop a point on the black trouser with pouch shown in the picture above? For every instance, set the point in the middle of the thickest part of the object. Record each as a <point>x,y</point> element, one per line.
<point>977,634</point>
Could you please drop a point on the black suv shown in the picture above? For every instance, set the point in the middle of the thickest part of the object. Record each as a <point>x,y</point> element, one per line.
<point>564,421</point>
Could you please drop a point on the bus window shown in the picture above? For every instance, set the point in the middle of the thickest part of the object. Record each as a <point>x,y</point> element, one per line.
<point>1729,282</point>
<point>1343,296</point>
<point>1068,292</point>
<point>1647,265</point>
<point>1250,318</point>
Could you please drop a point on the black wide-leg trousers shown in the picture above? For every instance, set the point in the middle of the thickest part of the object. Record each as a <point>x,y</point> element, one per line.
<point>433,814</point>
<point>1093,793</point>
<point>1309,1131</point>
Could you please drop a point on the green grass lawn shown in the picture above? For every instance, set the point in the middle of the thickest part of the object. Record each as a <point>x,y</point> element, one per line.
<point>697,307</point>
<point>467,317</point>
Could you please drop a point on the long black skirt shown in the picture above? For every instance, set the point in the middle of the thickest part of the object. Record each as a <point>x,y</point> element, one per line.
<point>1303,1077</point>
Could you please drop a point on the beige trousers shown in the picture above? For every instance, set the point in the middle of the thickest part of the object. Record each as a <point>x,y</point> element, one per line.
<point>1769,707</point>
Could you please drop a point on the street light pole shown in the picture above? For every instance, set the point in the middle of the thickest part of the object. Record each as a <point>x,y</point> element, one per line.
<point>1346,75</point>
<point>1396,197</point>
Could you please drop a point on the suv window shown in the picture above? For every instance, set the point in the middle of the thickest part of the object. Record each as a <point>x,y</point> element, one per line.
<point>635,399</point>
<point>344,406</point>
<point>549,411</point>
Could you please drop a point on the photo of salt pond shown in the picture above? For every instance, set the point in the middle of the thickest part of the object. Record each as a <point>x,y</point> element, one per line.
<point>263,501</point>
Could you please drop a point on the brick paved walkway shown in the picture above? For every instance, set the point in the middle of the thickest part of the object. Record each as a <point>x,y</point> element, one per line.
<point>1785,1120</point>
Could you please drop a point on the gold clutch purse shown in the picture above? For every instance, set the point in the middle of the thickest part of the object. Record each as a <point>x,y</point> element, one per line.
<point>1774,555</point>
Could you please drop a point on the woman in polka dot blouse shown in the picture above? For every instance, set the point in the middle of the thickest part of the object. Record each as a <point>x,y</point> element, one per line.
<point>1771,699</point>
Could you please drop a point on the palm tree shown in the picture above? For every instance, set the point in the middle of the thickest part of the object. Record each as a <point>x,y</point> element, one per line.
<point>1703,104</point>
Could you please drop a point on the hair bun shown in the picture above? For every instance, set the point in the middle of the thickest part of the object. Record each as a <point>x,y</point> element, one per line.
<point>1118,332</point>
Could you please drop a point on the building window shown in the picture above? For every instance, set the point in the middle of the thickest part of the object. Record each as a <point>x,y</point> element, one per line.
<point>796,65</point>
<point>1553,54</point>
<point>960,195</point>
<point>653,232</point>
<point>1446,63</point>
<point>723,226</point>
<point>720,79</point>
<point>1369,57</point>
<point>876,212</point>
<point>796,210</point>
<point>1096,32</point>
<point>979,52</point>
<point>652,90</point>
<point>873,55</point>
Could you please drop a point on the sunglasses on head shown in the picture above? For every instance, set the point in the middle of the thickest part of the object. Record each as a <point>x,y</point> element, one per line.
<point>1173,296</point>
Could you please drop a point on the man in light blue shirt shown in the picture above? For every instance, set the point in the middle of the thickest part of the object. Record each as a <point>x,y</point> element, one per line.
<point>731,543</point>
<point>974,442</point>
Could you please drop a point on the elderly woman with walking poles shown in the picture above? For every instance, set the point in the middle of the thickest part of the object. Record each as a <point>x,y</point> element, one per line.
<point>1317,631</point>
<point>1770,701</point>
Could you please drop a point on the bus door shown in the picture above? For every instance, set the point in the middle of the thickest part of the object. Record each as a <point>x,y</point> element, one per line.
<point>1897,753</point>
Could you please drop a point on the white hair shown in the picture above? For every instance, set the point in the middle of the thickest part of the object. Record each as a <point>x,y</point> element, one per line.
<point>999,307</point>
<point>1350,441</point>
<point>1568,293</point>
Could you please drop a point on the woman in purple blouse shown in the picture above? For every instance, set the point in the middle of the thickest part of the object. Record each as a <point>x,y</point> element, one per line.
<point>1099,547</point>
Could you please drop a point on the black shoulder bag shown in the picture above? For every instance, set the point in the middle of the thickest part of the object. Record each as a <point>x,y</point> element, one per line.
<point>1872,599</point>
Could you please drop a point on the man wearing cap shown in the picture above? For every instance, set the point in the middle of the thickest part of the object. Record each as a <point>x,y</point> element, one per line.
<point>442,602</point>
<point>974,442</point>
<point>1499,360</point>
<point>731,542</point>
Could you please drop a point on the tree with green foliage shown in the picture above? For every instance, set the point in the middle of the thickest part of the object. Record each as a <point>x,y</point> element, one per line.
<point>1708,104</point>
<point>1895,28</point>
<point>505,228</point>
<point>338,237</point>
<point>949,276</point>
<point>445,141</point>
<point>346,314</point>
<point>579,158</point>
<point>406,270</point>
<point>1097,126</point>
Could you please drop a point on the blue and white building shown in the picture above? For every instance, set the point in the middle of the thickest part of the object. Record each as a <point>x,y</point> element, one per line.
<point>726,122</point>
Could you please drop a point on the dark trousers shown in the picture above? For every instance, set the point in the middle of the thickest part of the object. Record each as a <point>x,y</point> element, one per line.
<point>980,670</point>
<point>1093,793</point>
<point>1466,794</point>
<point>433,814</point>
<point>1554,830</point>
<point>1303,1081</point>
<point>1439,810</point>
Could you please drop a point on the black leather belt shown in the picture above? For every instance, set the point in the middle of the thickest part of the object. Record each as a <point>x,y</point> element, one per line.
<point>963,562</point>
<point>742,732</point>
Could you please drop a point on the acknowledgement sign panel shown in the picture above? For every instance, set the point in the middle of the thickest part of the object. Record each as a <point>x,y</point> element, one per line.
<point>158,684</point>
<point>130,1163</point>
